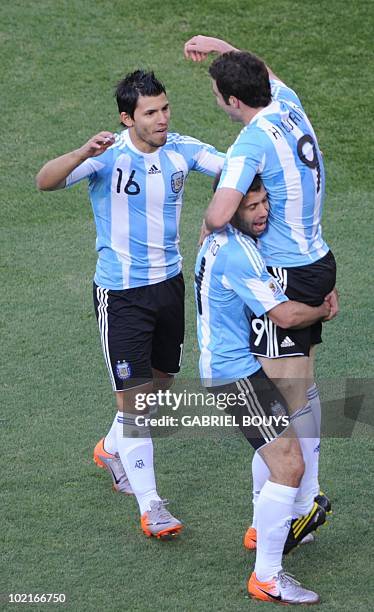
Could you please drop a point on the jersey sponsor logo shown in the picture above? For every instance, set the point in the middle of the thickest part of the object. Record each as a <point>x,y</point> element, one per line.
<point>154,170</point>
<point>123,370</point>
<point>177,180</point>
<point>287,342</point>
<point>139,464</point>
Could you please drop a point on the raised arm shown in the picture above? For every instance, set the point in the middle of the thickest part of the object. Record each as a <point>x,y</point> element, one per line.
<point>198,48</point>
<point>53,174</point>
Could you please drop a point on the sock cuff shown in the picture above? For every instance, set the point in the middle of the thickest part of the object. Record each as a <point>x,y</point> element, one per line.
<point>300,412</point>
<point>312,392</point>
<point>278,492</point>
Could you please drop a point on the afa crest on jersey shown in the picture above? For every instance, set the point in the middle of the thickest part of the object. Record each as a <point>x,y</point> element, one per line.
<point>177,180</point>
<point>123,369</point>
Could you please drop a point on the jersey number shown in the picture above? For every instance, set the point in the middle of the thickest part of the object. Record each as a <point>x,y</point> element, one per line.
<point>198,281</point>
<point>311,163</point>
<point>131,187</point>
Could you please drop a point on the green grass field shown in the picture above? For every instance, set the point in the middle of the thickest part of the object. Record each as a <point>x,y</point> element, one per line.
<point>62,529</point>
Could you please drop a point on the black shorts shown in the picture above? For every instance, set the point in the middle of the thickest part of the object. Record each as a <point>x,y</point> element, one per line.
<point>141,328</point>
<point>308,284</point>
<point>260,410</point>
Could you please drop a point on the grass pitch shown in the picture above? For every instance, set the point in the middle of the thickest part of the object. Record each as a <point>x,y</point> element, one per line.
<point>63,531</point>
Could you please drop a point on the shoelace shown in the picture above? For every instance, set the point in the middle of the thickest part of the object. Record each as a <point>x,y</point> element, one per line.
<point>285,578</point>
<point>158,512</point>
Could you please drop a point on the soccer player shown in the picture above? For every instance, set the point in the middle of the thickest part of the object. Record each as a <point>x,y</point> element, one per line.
<point>231,283</point>
<point>279,143</point>
<point>136,181</point>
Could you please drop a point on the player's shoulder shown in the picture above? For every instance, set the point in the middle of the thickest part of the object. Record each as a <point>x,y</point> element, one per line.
<point>176,140</point>
<point>243,252</point>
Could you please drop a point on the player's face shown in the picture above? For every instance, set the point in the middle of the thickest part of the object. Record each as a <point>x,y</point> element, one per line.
<point>252,214</point>
<point>230,109</point>
<point>148,129</point>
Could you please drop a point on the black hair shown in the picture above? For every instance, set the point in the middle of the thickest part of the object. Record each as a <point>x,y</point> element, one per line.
<point>243,75</point>
<point>135,84</point>
<point>256,184</point>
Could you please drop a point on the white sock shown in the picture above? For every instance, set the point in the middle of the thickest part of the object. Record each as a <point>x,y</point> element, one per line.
<point>135,448</point>
<point>304,425</point>
<point>260,474</point>
<point>274,514</point>
<point>315,403</point>
<point>110,440</point>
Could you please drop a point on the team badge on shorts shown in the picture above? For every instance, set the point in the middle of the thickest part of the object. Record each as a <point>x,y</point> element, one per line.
<point>277,409</point>
<point>177,180</point>
<point>123,370</point>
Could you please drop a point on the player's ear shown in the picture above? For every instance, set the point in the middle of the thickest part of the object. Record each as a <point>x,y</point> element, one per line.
<point>234,102</point>
<point>126,119</point>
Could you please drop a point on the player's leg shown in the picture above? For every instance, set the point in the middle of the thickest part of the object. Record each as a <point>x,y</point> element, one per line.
<point>167,344</point>
<point>126,322</point>
<point>280,450</point>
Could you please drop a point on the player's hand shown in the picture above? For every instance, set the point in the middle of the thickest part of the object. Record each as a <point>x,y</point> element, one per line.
<point>203,234</point>
<point>332,299</point>
<point>198,47</point>
<point>97,145</point>
<point>326,311</point>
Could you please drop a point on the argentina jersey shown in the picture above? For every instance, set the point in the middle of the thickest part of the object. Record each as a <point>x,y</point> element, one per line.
<point>279,143</point>
<point>136,199</point>
<point>231,283</point>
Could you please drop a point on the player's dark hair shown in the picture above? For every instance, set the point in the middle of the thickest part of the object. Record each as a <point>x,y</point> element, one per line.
<point>135,84</point>
<point>243,75</point>
<point>256,184</point>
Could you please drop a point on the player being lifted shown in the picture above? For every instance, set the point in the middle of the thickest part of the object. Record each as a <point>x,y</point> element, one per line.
<point>232,283</point>
<point>279,143</point>
<point>136,182</point>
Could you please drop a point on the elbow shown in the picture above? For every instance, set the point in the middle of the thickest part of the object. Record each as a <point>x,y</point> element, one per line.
<point>213,222</point>
<point>40,184</point>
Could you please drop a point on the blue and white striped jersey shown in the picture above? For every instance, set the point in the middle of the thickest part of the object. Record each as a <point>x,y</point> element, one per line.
<point>137,199</point>
<point>279,143</point>
<point>231,283</point>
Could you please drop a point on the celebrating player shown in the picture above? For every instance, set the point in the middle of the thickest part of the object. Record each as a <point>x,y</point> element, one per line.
<point>279,143</point>
<point>136,182</point>
<point>231,283</point>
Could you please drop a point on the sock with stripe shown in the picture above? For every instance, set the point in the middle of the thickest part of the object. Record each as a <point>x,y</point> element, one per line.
<point>135,448</point>
<point>110,440</point>
<point>274,514</point>
<point>304,425</point>
<point>315,403</point>
<point>260,474</point>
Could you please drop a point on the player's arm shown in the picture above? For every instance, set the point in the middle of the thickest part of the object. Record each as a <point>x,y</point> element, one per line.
<point>53,174</point>
<point>249,278</point>
<point>198,48</point>
<point>222,207</point>
<point>296,315</point>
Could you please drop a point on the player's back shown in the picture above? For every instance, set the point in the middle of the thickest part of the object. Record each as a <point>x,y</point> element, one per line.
<point>223,319</point>
<point>279,143</point>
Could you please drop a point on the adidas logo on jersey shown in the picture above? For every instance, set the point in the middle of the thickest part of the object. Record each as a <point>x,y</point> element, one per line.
<point>154,170</point>
<point>287,342</point>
